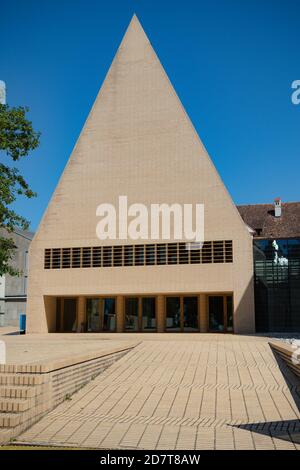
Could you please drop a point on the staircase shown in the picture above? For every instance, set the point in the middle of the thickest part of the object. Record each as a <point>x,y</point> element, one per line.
<point>27,392</point>
<point>24,398</point>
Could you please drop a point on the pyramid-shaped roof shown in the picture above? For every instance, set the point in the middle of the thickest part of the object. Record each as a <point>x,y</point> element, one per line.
<point>137,141</point>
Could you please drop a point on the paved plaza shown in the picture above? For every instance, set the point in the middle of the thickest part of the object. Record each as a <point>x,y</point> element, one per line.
<point>184,391</point>
<point>47,349</point>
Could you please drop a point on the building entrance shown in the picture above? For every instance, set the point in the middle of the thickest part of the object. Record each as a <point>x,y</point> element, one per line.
<point>66,314</point>
<point>182,313</point>
<point>220,313</point>
<point>101,314</point>
<point>140,314</point>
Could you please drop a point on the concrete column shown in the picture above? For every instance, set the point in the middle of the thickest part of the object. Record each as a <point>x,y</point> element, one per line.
<point>36,321</point>
<point>244,310</point>
<point>80,313</point>
<point>160,305</point>
<point>120,314</point>
<point>50,309</point>
<point>203,313</point>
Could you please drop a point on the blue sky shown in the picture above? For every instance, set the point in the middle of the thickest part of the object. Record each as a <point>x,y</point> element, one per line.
<point>231,62</point>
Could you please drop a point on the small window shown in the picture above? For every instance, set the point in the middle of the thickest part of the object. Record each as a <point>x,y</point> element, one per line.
<point>207,252</point>
<point>86,257</point>
<point>47,261</point>
<point>218,250</point>
<point>161,254</point>
<point>66,257</point>
<point>56,258</point>
<point>228,251</point>
<point>139,255</point>
<point>128,255</point>
<point>117,255</point>
<point>195,256</point>
<point>172,253</point>
<point>96,256</point>
<point>183,253</point>
<point>107,256</point>
<point>76,257</point>
<point>150,254</point>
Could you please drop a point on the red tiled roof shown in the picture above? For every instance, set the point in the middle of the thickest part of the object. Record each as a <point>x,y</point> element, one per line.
<point>261,217</point>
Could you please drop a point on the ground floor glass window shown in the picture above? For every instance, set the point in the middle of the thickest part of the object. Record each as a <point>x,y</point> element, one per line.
<point>140,314</point>
<point>182,313</point>
<point>101,314</point>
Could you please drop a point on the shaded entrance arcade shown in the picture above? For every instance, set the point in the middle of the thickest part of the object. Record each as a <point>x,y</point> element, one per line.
<point>181,313</point>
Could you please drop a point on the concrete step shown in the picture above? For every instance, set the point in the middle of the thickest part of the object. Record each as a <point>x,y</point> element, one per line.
<point>27,395</point>
<point>20,391</point>
<point>10,420</point>
<point>6,434</point>
<point>14,405</point>
<point>23,379</point>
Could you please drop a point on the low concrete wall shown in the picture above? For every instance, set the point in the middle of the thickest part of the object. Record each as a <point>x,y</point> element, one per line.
<point>27,392</point>
<point>291,355</point>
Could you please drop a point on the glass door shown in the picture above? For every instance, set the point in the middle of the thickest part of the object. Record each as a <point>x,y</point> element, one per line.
<point>173,314</point>
<point>69,314</point>
<point>101,314</point>
<point>132,314</point>
<point>109,314</point>
<point>216,313</point>
<point>66,315</point>
<point>229,313</point>
<point>148,313</point>
<point>190,314</point>
<point>220,313</point>
<point>140,314</point>
<point>93,315</point>
<point>182,313</point>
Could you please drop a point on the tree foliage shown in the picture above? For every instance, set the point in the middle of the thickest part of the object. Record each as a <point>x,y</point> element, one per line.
<point>17,139</point>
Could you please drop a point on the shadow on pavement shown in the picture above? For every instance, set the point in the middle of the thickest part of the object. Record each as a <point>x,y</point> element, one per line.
<point>287,430</point>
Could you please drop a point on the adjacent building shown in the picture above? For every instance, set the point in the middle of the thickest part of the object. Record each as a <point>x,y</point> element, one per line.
<point>276,246</point>
<point>13,289</point>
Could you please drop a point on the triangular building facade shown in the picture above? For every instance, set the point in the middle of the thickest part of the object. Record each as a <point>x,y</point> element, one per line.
<point>139,142</point>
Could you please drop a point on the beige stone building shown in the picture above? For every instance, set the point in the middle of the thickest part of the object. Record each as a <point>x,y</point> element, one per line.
<point>138,141</point>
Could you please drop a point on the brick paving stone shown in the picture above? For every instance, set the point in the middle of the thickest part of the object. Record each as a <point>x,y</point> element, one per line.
<point>186,438</point>
<point>223,405</point>
<point>242,439</point>
<point>66,432</point>
<point>168,438</point>
<point>224,439</point>
<point>115,435</point>
<point>205,439</point>
<point>133,435</point>
<point>98,435</point>
<point>295,437</point>
<point>82,434</point>
<point>263,441</point>
<point>151,436</point>
<point>282,442</point>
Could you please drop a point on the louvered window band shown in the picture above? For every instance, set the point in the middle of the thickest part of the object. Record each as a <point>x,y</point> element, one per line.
<point>138,255</point>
